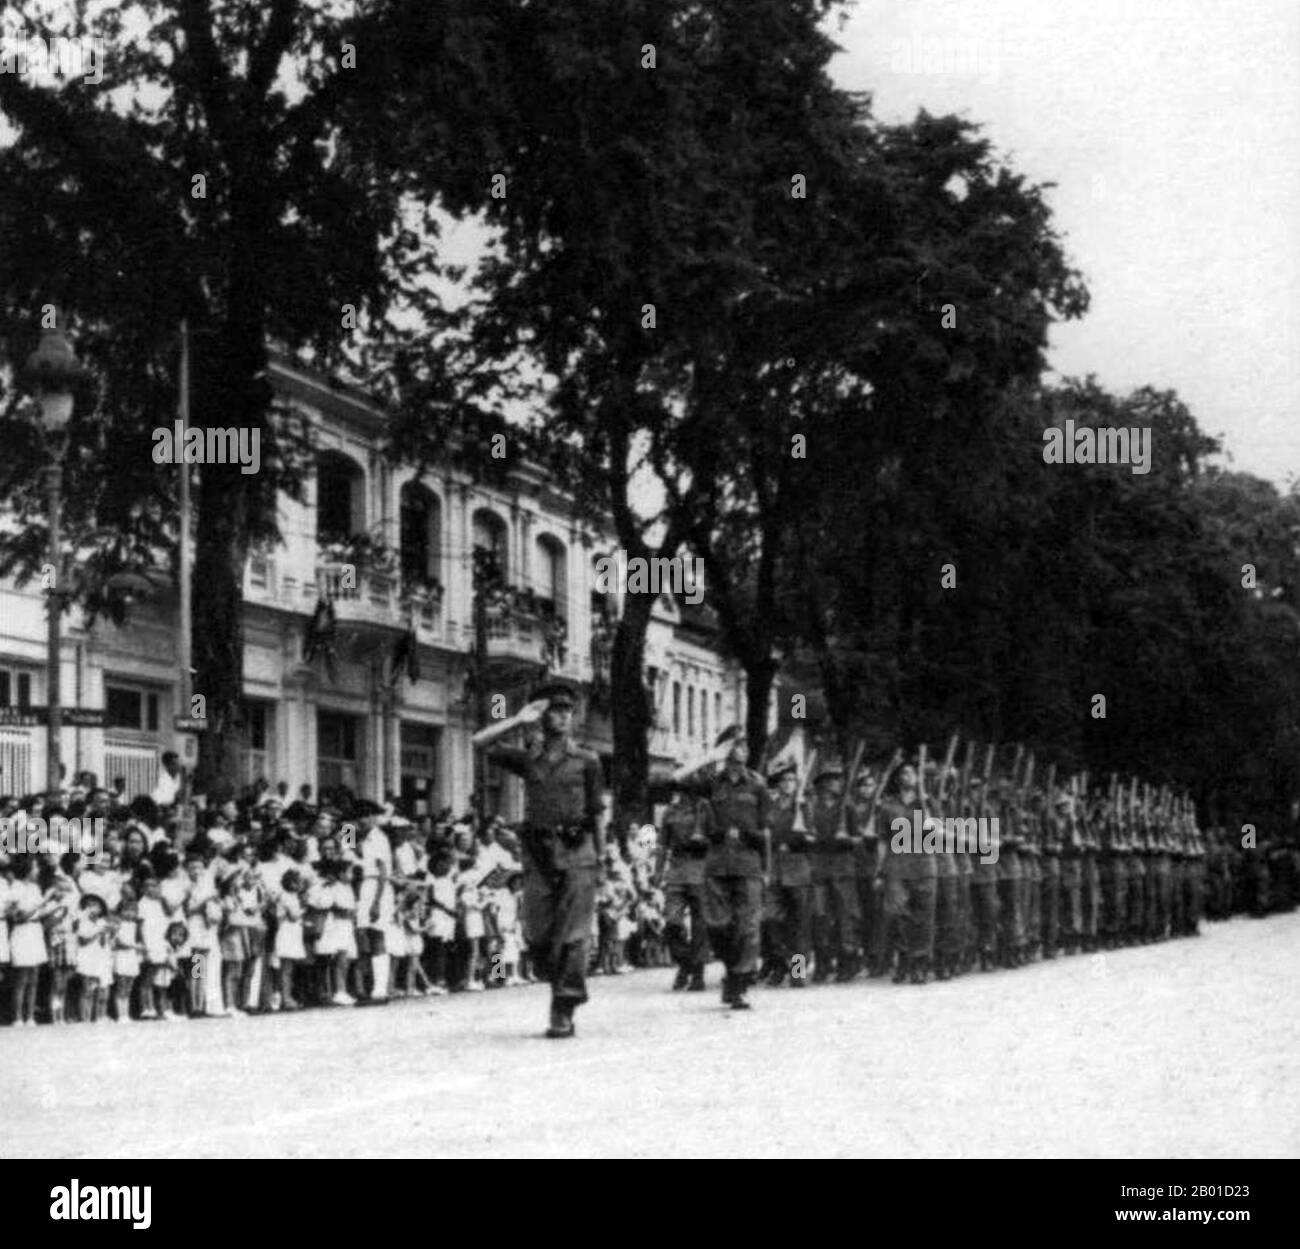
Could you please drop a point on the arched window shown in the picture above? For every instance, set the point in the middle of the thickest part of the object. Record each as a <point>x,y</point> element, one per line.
<point>704,716</point>
<point>690,711</point>
<point>551,580</point>
<point>677,708</point>
<point>490,535</point>
<point>340,497</point>
<point>421,532</point>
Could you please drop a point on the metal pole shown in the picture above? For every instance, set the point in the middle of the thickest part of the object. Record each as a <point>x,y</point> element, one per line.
<point>54,709</point>
<point>184,644</point>
<point>480,692</point>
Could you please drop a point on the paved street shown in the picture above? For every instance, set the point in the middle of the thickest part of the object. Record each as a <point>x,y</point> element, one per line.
<point>1182,1049</point>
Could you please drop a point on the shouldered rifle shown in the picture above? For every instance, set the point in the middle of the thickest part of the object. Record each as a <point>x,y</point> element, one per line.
<point>963,779</point>
<point>800,825</point>
<point>841,818</point>
<point>945,783</point>
<point>989,756</point>
<point>895,760</point>
<point>920,781</point>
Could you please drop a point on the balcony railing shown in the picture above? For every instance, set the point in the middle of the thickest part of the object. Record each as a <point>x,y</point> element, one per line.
<point>360,596</point>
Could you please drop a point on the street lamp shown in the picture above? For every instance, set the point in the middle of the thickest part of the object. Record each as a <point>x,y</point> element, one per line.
<point>50,373</point>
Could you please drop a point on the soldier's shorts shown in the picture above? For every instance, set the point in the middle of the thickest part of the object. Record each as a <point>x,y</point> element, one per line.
<point>1051,912</point>
<point>1072,910</point>
<point>837,917</point>
<point>1013,927</point>
<point>911,906</point>
<point>733,908</point>
<point>984,904</point>
<point>683,903</point>
<point>946,918</point>
<point>556,911</point>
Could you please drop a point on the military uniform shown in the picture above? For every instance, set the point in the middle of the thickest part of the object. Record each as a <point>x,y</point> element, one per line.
<point>837,916</point>
<point>947,935</point>
<point>791,892</point>
<point>733,870</point>
<point>1137,888</point>
<point>686,844</point>
<point>1031,873</point>
<point>562,802</point>
<point>909,897</point>
<point>1051,886</point>
<point>1091,889</point>
<point>1071,885</point>
<point>871,897</point>
<point>1009,895</point>
<point>985,907</point>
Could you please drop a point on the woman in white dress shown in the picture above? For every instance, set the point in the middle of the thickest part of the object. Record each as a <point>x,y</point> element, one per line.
<point>26,940</point>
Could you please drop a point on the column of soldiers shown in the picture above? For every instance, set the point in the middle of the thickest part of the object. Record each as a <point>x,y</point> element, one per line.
<point>789,886</point>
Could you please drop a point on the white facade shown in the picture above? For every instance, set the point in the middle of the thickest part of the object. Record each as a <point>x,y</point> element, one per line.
<point>359,727</point>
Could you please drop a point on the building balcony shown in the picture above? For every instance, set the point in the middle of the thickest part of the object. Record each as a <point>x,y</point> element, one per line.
<point>362,597</point>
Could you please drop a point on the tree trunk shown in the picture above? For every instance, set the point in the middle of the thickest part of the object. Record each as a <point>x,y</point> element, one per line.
<point>230,389</point>
<point>630,711</point>
<point>759,677</point>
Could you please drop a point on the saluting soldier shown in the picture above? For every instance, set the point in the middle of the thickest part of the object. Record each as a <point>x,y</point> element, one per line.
<point>679,871</point>
<point>791,885</point>
<point>562,841</point>
<point>837,918</point>
<point>739,830</point>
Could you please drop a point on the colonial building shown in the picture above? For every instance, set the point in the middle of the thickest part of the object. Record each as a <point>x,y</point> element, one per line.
<point>359,663</point>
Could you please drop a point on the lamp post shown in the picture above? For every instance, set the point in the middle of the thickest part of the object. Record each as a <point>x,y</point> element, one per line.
<point>50,372</point>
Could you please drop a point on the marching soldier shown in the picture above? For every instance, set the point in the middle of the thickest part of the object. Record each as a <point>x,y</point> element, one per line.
<point>682,850</point>
<point>1009,887</point>
<point>791,886</point>
<point>871,895</point>
<point>984,893</point>
<point>1031,873</point>
<point>947,936</point>
<point>1071,874</point>
<point>1090,880</point>
<point>909,883</point>
<point>837,918</point>
<point>1137,881</point>
<point>1050,832</point>
<point>740,829</point>
<point>562,840</point>
<point>1113,867</point>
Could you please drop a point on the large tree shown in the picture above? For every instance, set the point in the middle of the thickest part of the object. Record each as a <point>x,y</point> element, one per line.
<point>230,170</point>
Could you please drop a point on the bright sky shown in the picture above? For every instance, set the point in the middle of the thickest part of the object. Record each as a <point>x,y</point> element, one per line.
<point>1173,131</point>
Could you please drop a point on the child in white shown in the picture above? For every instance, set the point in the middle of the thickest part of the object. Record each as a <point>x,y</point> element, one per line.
<point>93,958</point>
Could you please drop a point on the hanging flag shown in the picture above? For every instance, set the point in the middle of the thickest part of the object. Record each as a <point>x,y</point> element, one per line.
<point>321,636</point>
